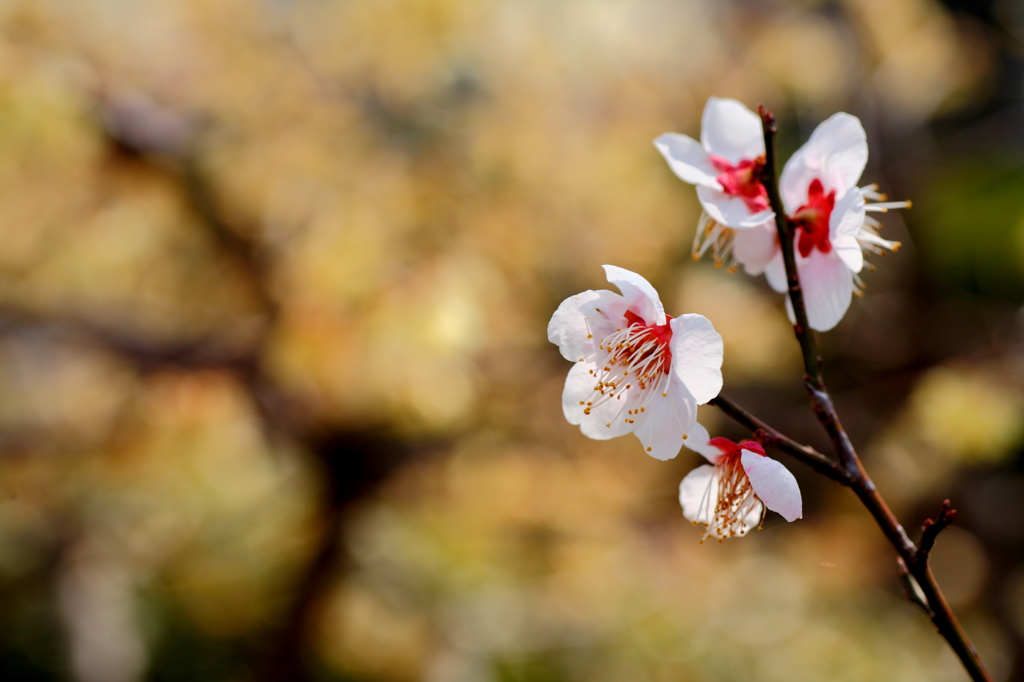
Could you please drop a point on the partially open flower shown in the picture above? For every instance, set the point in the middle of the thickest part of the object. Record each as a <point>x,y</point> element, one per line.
<point>819,191</point>
<point>636,369</point>
<point>728,497</point>
<point>726,166</point>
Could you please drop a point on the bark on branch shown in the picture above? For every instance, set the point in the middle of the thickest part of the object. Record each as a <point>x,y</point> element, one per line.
<point>920,585</point>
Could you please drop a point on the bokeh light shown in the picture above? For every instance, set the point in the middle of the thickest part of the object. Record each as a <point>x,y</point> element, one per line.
<point>276,401</point>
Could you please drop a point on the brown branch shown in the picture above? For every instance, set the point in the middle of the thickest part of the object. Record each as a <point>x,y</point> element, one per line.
<point>931,529</point>
<point>915,562</point>
<point>911,590</point>
<point>812,361</point>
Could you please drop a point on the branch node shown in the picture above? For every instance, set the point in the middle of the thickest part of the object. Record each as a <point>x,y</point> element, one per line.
<point>930,530</point>
<point>911,590</point>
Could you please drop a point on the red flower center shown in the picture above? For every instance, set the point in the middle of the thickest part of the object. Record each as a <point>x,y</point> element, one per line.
<point>647,342</point>
<point>743,180</point>
<point>812,218</point>
<point>734,450</point>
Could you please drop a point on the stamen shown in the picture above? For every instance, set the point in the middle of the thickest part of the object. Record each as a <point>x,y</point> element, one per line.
<point>719,239</point>
<point>640,352</point>
<point>884,206</point>
<point>867,236</point>
<point>734,500</point>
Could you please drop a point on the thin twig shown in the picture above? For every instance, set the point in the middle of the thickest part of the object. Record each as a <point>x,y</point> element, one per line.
<point>931,529</point>
<point>913,560</point>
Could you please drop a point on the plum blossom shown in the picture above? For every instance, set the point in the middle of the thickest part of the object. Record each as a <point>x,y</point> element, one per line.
<point>726,167</point>
<point>819,192</point>
<point>635,369</point>
<point>729,496</point>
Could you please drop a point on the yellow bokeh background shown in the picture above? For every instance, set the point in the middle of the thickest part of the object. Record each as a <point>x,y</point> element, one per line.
<point>276,400</point>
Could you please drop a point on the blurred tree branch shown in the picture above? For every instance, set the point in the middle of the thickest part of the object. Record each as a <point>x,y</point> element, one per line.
<point>352,460</point>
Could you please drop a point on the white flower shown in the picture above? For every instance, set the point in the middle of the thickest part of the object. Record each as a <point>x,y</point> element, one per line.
<point>635,369</point>
<point>819,192</point>
<point>726,167</point>
<point>729,496</point>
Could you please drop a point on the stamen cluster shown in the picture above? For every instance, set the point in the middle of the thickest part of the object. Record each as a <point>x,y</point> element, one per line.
<point>637,361</point>
<point>729,502</point>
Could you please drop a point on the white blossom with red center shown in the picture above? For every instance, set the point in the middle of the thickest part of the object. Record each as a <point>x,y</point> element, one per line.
<point>726,167</point>
<point>728,497</point>
<point>636,369</point>
<point>819,192</point>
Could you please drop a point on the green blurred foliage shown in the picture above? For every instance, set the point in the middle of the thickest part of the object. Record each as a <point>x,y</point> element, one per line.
<point>975,228</point>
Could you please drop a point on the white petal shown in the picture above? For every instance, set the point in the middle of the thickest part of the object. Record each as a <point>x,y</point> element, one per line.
<point>576,319</point>
<point>698,493</point>
<point>836,154</point>
<point>640,295</point>
<point>698,441</point>
<point>730,130</point>
<point>847,214</point>
<point>697,356</point>
<point>844,224</point>
<point>729,210</point>
<point>687,159</point>
<point>775,273</point>
<point>842,145</point>
<point>579,387</point>
<point>774,484</point>
<point>796,177</point>
<point>848,249</point>
<point>755,248</point>
<point>665,420</point>
<point>828,286</point>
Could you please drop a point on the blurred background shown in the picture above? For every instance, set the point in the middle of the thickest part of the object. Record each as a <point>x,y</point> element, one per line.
<point>276,399</point>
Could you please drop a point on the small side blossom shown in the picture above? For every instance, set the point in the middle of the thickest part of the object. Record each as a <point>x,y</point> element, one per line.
<point>829,212</point>
<point>726,166</point>
<point>729,496</point>
<point>635,369</point>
